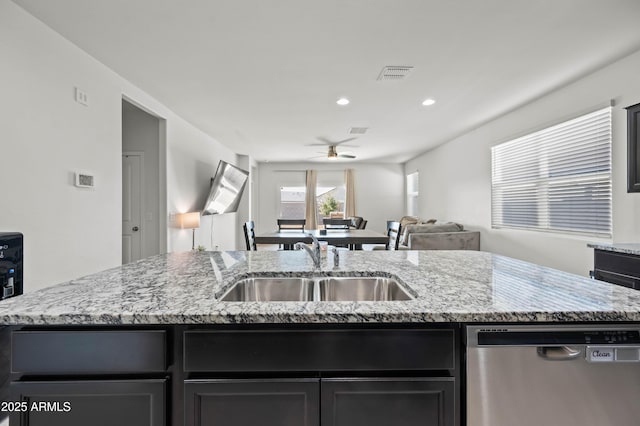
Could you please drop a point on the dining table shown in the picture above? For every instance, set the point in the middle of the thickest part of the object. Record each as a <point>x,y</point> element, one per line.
<point>352,238</point>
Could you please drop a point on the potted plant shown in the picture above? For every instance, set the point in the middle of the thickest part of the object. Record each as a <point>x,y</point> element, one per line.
<point>329,205</point>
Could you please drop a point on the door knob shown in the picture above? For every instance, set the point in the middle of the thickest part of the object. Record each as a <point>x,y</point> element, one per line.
<point>135,229</point>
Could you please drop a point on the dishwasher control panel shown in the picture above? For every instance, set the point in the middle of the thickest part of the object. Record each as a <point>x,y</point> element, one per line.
<point>613,354</point>
<point>518,337</point>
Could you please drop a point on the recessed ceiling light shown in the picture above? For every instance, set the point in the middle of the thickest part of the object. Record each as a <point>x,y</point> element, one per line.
<point>343,101</point>
<point>428,102</point>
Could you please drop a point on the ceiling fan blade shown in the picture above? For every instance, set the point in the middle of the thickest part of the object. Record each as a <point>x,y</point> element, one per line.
<point>325,140</point>
<point>344,140</point>
<point>346,156</point>
<point>330,142</point>
<point>350,146</point>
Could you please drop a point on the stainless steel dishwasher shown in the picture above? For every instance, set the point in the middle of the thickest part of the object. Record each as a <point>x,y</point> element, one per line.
<point>553,375</point>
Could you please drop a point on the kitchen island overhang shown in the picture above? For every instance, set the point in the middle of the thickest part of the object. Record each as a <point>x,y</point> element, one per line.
<point>448,286</point>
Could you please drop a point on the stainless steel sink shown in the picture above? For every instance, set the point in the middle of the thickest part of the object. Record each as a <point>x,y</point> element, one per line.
<point>328,289</point>
<point>267,289</point>
<point>361,289</point>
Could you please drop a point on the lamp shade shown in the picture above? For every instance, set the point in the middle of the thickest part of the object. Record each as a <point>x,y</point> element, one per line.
<point>188,220</point>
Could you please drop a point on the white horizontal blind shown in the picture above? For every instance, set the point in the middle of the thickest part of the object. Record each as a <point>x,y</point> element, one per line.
<point>556,179</point>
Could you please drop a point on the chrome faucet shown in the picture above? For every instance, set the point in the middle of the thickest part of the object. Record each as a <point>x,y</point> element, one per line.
<point>314,251</point>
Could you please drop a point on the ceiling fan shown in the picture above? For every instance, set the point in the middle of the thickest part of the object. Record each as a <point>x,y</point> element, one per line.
<point>333,153</point>
<point>333,147</point>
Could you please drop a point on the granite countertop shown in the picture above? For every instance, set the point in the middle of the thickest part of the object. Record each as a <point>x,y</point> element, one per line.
<point>450,286</point>
<point>627,248</point>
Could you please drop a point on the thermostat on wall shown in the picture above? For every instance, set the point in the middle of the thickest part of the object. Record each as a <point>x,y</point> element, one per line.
<point>84,180</point>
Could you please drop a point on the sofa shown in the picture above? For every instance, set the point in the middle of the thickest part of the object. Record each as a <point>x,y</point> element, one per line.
<point>417,234</point>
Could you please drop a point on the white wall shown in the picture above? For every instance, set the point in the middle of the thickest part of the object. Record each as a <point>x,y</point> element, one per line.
<point>455,178</point>
<point>46,136</point>
<point>379,189</point>
<point>192,160</point>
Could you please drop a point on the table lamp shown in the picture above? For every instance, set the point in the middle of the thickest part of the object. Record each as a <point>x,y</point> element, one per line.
<point>189,221</point>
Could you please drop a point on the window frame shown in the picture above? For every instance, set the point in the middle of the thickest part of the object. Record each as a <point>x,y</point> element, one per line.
<point>540,179</point>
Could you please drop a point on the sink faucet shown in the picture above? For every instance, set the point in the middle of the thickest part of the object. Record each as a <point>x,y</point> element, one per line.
<point>314,251</point>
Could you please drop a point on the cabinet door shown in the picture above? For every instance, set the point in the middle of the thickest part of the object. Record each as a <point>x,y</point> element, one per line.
<point>95,403</point>
<point>388,402</point>
<point>286,402</point>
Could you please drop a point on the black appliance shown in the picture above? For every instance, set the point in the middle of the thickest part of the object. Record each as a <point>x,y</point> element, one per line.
<point>11,254</point>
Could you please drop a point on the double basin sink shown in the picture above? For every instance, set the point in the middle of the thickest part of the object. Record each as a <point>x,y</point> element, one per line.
<point>307,289</point>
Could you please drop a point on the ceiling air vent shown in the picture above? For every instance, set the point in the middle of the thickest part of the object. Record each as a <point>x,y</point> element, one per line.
<point>394,73</point>
<point>358,130</point>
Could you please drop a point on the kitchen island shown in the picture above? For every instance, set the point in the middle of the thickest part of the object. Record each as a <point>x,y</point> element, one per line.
<point>449,286</point>
<point>153,343</point>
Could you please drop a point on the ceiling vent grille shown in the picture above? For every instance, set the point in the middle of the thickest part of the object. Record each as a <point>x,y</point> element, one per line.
<point>358,130</point>
<point>394,73</point>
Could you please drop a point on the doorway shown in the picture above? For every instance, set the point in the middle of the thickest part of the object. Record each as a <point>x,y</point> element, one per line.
<point>143,183</point>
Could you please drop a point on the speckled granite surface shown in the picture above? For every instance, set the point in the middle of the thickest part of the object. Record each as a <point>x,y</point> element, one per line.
<point>628,248</point>
<point>450,286</point>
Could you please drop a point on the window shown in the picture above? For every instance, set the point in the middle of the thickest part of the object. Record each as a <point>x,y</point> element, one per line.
<point>292,205</point>
<point>292,202</point>
<point>330,200</point>
<point>412,194</point>
<point>557,179</point>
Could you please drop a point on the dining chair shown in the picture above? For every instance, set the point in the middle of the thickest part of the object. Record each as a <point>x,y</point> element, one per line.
<point>393,232</point>
<point>290,225</point>
<point>250,235</point>
<point>334,224</point>
<point>356,221</point>
<point>330,223</point>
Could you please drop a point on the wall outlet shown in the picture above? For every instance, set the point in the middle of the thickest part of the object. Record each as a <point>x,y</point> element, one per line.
<point>82,97</point>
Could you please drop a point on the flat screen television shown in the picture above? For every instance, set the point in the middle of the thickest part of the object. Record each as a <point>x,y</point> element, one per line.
<point>226,189</point>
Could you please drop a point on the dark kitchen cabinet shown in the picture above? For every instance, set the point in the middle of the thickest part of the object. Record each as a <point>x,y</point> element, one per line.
<point>95,403</point>
<point>266,402</point>
<point>617,268</point>
<point>232,375</point>
<point>88,376</point>
<point>351,376</point>
<point>388,401</point>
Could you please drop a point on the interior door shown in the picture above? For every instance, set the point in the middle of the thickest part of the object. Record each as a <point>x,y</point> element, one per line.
<point>132,166</point>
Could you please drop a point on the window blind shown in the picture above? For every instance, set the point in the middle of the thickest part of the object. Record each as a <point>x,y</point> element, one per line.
<point>556,179</point>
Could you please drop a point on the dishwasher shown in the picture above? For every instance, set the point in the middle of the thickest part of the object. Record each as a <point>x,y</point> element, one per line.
<point>521,375</point>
